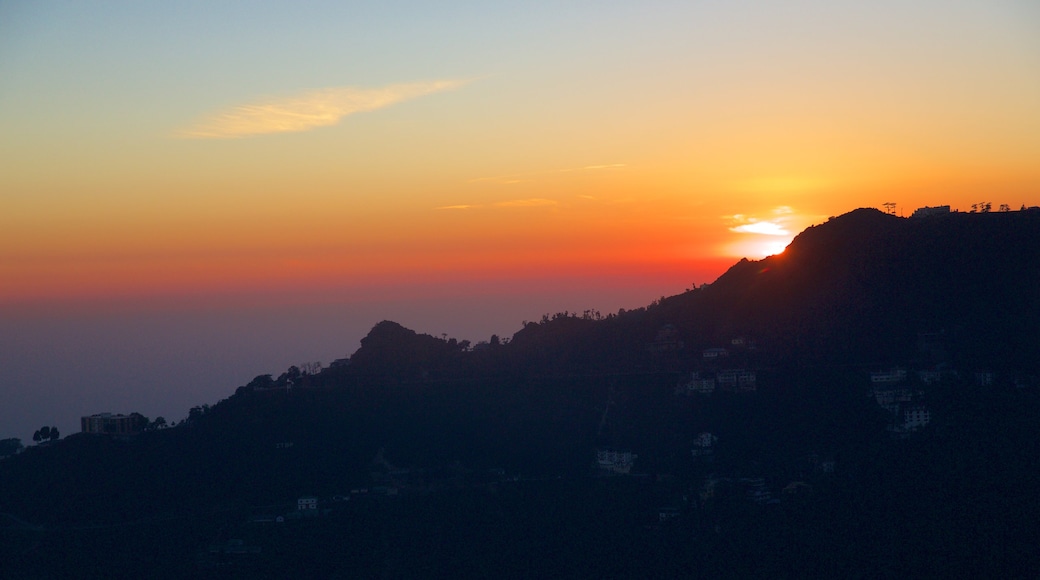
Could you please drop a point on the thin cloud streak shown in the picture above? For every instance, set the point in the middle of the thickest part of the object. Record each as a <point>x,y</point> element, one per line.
<point>530,202</point>
<point>533,202</point>
<point>526,177</point>
<point>306,111</point>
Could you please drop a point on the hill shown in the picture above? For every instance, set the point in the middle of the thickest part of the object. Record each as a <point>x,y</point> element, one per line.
<point>868,396</point>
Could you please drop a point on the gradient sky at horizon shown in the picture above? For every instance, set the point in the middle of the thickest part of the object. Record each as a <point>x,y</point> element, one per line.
<point>196,161</point>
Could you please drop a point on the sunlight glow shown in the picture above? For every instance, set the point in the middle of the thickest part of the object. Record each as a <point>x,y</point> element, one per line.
<point>758,248</point>
<point>764,228</point>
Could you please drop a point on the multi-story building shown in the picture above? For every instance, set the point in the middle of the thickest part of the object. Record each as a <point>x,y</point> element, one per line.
<point>611,461</point>
<point>914,417</point>
<point>704,445</point>
<point>109,424</point>
<point>736,380</point>
<point>895,375</point>
<point>696,384</point>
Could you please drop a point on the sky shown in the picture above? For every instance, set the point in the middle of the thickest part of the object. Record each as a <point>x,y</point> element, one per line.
<point>195,193</point>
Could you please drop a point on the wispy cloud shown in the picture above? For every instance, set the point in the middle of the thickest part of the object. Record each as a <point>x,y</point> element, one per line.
<point>506,180</point>
<point>512,203</point>
<point>306,111</point>
<point>526,177</point>
<point>532,202</point>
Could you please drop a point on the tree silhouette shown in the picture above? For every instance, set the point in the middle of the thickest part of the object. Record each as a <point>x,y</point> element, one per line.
<point>46,433</point>
<point>261,382</point>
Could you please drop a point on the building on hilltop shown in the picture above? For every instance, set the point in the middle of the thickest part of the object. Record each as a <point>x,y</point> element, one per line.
<point>930,211</point>
<point>109,424</point>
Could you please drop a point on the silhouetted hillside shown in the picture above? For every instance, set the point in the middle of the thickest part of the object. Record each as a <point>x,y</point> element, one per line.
<point>867,397</point>
<point>861,288</point>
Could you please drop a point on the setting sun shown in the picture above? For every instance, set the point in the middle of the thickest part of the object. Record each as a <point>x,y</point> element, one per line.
<point>756,249</point>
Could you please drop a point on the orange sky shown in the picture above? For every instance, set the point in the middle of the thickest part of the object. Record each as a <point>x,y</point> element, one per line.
<point>144,156</point>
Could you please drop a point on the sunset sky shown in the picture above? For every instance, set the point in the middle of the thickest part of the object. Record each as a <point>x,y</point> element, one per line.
<point>206,191</point>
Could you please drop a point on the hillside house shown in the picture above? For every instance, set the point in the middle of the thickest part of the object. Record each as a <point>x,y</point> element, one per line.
<point>929,377</point>
<point>916,417</point>
<point>667,340</point>
<point>615,462</point>
<point>742,343</point>
<point>894,375</point>
<point>737,380</point>
<point>667,513</point>
<point>755,490</point>
<point>892,400</point>
<point>984,378</point>
<point>696,385</point>
<point>704,445</point>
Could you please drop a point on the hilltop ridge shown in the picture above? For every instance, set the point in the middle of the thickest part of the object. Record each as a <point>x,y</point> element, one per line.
<point>875,354</point>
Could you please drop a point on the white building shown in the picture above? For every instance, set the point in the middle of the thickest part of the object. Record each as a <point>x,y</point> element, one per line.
<point>929,377</point>
<point>704,445</point>
<point>984,378</point>
<point>916,417</point>
<point>737,380</point>
<point>615,461</point>
<point>895,375</point>
<point>697,384</point>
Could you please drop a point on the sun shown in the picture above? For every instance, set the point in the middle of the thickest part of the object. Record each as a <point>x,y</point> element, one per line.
<point>773,247</point>
<point>758,248</point>
<point>760,237</point>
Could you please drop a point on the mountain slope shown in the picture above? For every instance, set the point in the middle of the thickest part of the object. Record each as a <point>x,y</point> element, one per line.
<point>452,425</point>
